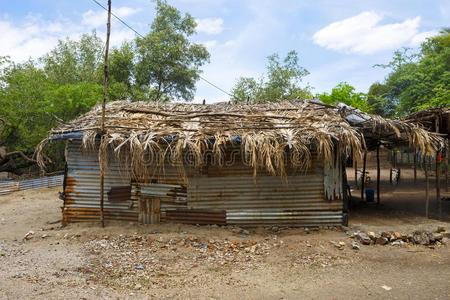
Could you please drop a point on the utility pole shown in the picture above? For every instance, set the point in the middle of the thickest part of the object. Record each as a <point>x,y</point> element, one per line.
<point>105,86</point>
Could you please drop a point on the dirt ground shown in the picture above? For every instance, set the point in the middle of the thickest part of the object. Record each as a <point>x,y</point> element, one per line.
<point>121,261</point>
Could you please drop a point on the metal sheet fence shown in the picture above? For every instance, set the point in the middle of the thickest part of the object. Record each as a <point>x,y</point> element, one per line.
<point>13,186</point>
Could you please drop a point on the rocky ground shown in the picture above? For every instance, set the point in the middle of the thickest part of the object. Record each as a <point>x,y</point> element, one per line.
<point>383,254</point>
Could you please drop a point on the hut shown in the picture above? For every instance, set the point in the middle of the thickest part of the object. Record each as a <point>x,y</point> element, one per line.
<point>279,163</point>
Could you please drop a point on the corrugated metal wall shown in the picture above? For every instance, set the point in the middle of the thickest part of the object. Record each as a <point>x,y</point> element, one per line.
<point>214,194</point>
<point>270,200</point>
<point>36,183</point>
<point>83,186</point>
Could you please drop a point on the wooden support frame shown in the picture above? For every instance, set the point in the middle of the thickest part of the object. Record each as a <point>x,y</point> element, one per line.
<point>378,174</point>
<point>427,186</point>
<point>447,149</point>
<point>105,85</point>
<point>363,175</point>
<point>415,166</point>
<point>438,175</point>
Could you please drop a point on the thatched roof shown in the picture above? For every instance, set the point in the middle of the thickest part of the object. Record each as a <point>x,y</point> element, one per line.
<point>264,132</point>
<point>427,118</point>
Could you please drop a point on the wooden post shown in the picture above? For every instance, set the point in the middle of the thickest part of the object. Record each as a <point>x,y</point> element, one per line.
<point>427,186</point>
<point>395,160</point>
<point>446,163</point>
<point>415,166</point>
<point>363,176</point>
<point>378,174</point>
<point>105,85</point>
<point>356,172</point>
<point>438,174</point>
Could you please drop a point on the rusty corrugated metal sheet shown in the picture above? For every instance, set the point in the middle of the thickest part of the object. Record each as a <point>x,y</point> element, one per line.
<point>211,195</point>
<point>172,196</point>
<point>270,200</point>
<point>82,189</point>
<point>196,216</point>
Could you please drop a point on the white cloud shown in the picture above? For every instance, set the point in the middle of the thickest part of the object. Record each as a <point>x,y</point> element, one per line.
<point>98,18</point>
<point>362,34</point>
<point>210,26</point>
<point>32,37</point>
<point>210,44</point>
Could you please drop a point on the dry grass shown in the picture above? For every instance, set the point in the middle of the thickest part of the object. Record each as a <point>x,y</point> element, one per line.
<point>138,132</point>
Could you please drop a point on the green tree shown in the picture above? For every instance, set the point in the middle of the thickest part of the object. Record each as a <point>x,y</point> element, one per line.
<point>74,61</point>
<point>167,63</point>
<point>421,80</point>
<point>345,93</point>
<point>379,101</point>
<point>281,82</point>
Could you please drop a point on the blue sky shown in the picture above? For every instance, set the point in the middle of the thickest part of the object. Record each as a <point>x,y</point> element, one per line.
<point>336,40</point>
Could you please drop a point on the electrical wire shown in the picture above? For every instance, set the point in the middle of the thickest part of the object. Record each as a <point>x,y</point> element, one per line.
<point>140,35</point>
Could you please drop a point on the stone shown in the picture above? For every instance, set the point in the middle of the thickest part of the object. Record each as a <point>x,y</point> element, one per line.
<point>445,241</point>
<point>440,229</point>
<point>381,240</point>
<point>355,245</point>
<point>398,243</point>
<point>372,235</point>
<point>397,236</point>
<point>337,245</point>
<point>386,234</point>
<point>446,234</point>
<point>437,237</point>
<point>363,238</point>
<point>29,235</point>
<point>422,238</point>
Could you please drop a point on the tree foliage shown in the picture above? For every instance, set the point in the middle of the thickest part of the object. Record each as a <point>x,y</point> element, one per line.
<point>345,93</point>
<point>281,82</point>
<point>167,63</point>
<point>68,80</point>
<point>379,100</point>
<point>420,80</point>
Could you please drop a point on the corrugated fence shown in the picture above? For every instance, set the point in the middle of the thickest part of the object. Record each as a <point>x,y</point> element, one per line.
<point>13,186</point>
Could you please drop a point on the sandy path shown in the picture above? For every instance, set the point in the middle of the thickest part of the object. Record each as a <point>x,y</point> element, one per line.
<point>85,261</point>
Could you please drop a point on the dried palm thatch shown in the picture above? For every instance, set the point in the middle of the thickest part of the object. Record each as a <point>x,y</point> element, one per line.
<point>138,132</point>
<point>435,119</point>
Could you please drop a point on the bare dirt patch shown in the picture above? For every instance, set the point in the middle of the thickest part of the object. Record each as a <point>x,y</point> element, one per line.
<point>85,261</point>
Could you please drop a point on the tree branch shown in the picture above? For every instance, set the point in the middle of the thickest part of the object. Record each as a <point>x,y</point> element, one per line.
<point>21,154</point>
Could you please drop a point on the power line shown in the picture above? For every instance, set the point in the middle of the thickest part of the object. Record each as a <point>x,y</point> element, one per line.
<point>132,29</point>
<point>121,21</point>
<point>212,84</point>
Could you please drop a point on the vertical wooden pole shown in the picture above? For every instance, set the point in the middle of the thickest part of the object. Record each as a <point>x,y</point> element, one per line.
<point>356,172</point>
<point>438,174</point>
<point>427,186</point>
<point>378,174</point>
<point>447,149</point>
<point>105,85</point>
<point>363,176</point>
<point>395,160</point>
<point>415,166</point>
